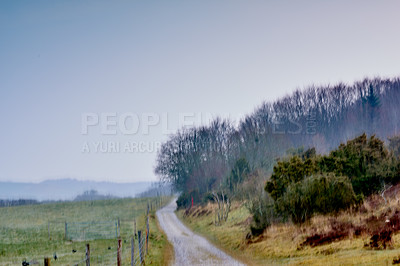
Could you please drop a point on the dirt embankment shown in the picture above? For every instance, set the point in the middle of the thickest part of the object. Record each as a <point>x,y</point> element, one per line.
<point>380,227</point>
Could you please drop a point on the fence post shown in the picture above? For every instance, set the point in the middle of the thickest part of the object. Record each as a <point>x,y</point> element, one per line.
<point>87,255</point>
<point>119,228</point>
<point>132,252</point>
<point>66,231</point>
<point>147,235</point>
<point>46,261</point>
<point>48,229</point>
<point>119,252</point>
<point>134,220</point>
<point>140,246</point>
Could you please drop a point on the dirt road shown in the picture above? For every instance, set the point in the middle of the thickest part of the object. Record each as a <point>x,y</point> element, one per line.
<point>190,249</point>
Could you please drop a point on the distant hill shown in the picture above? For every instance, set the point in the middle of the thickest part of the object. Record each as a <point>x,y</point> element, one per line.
<point>68,189</point>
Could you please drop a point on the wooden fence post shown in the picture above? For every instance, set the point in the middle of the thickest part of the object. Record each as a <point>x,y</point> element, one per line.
<point>132,252</point>
<point>46,261</point>
<point>134,220</point>
<point>119,228</point>
<point>119,249</point>
<point>48,229</point>
<point>66,231</point>
<point>147,235</point>
<point>87,255</point>
<point>140,246</point>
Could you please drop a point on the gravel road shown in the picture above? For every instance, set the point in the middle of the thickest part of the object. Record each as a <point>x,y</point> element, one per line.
<point>189,248</point>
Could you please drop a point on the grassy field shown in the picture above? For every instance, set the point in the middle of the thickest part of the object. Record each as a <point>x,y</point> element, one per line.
<point>24,232</point>
<point>280,243</point>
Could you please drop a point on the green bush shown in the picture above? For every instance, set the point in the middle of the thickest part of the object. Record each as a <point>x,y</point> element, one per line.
<point>365,161</point>
<point>207,197</point>
<point>289,171</point>
<point>322,194</point>
<point>263,211</point>
<point>185,199</point>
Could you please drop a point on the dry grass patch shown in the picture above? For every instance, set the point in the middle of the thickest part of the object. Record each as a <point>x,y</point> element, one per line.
<point>350,235</point>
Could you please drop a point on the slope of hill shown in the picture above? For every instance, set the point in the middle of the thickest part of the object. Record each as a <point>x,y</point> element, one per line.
<point>350,238</point>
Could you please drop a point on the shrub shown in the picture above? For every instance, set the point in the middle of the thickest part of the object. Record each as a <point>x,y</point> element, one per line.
<point>262,209</point>
<point>316,194</point>
<point>207,197</point>
<point>365,161</point>
<point>185,199</point>
<point>293,170</point>
<point>258,202</point>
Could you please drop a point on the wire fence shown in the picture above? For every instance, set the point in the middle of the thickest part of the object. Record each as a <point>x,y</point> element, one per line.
<point>131,250</point>
<point>131,240</point>
<point>91,230</point>
<point>134,253</point>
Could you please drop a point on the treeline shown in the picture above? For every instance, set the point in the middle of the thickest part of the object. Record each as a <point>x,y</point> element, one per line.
<point>236,161</point>
<point>91,195</point>
<point>157,189</point>
<point>18,202</point>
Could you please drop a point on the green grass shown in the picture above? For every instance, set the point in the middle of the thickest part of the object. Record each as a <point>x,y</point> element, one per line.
<point>161,252</point>
<point>24,232</point>
<point>279,244</point>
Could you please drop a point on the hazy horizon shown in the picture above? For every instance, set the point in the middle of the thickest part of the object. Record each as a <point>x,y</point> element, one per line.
<point>68,189</point>
<point>65,64</point>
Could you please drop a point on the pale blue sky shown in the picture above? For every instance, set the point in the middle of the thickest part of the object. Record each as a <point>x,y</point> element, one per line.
<point>60,59</point>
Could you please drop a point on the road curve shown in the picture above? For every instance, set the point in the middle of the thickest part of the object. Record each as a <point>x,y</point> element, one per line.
<point>189,248</point>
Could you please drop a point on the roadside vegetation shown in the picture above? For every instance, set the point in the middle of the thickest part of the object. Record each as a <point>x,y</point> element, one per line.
<point>309,166</point>
<point>344,239</point>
